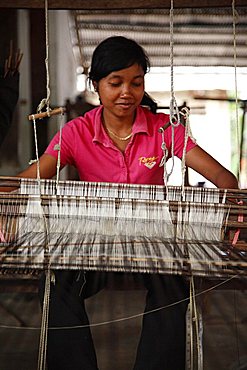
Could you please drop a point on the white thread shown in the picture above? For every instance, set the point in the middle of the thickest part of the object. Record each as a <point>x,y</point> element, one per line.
<point>44,323</point>
<point>164,158</point>
<point>36,148</point>
<point>46,304</point>
<point>58,148</point>
<point>234,14</point>
<point>46,101</point>
<point>45,314</point>
<point>32,161</point>
<point>123,318</point>
<point>174,118</point>
<point>188,134</point>
<point>194,324</point>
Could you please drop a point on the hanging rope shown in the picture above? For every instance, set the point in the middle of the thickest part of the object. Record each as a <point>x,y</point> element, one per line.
<point>46,299</point>
<point>46,101</point>
<point>44,323</point>
<point>175,118</point>
<point>58,148</point>
<point>194,329</point>
<point>174,111</point>
<point>185,112</point>
<point>36,160</point>
<point>234,19</point>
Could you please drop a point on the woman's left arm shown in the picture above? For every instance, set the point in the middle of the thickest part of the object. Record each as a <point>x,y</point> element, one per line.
<point>212,170</point>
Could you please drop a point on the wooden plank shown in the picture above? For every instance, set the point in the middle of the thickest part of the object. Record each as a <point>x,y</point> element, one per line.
<point>117,4</point>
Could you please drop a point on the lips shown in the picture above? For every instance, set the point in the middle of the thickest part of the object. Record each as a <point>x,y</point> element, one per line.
<point>125,105</point>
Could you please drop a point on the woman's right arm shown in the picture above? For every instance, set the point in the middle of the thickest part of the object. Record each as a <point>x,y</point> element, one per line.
<point>48,168</point>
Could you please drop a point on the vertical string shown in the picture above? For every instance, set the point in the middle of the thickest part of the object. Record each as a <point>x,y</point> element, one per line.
<point>194,327</point>
<point>164,158</point>
<point>45,311</point>
<point>234,18</point>
<point>46,101</point>
<point>46,299</point>
<point>58,148</point>
<point>174,111</point>
<point>36,160</point>
<point>44,323</point>
<point>188,134</point>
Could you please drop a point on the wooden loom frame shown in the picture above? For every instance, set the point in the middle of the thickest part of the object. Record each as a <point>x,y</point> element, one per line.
<point>118,4</point>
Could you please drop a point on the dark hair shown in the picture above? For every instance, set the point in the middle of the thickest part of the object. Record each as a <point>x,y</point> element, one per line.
<point>115,53</point>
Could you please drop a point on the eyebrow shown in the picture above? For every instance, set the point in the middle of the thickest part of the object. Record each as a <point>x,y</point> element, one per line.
<point>119,76</point>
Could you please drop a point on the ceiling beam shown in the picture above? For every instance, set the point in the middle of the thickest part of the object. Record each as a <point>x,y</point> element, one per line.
<point>118,4</point>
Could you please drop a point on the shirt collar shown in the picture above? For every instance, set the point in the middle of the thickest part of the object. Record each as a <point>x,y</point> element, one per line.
<point>140,125</point>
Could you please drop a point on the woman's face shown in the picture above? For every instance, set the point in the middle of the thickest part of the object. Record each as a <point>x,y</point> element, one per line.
<point>121,91</point>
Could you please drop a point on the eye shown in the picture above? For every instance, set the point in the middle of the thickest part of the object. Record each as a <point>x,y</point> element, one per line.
<point>115,84</point>
<point>137,84</point>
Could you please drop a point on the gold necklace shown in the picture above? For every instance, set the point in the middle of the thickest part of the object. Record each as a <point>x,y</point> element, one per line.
<point>119,137</point>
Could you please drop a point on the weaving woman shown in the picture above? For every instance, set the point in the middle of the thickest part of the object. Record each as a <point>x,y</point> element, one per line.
<point>119,142</point>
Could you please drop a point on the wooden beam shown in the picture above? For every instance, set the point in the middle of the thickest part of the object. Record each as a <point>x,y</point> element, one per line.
<point>118,4</point>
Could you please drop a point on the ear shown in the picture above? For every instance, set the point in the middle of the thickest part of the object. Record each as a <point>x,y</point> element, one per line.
<point>95,85</point>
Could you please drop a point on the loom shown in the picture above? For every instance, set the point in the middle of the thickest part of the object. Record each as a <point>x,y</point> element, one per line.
<point>122,227</point>
<point>47,224</point>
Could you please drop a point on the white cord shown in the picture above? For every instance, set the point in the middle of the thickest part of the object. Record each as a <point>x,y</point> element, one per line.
<point>234,17</point>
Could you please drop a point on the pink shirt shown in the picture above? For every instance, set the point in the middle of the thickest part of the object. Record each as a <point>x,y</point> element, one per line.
<point>86,146</point>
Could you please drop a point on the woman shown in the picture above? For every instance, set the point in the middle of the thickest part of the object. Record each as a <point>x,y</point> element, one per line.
<point>119,142</point>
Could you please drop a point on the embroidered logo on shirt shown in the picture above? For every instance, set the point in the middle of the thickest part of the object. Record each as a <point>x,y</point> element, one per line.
<point>149,162</point>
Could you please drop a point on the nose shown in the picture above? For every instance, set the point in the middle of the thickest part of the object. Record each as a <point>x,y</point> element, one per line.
<point>126,91</point>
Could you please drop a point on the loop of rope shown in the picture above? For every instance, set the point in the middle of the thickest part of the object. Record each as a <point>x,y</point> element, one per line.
<point>164,158</point>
